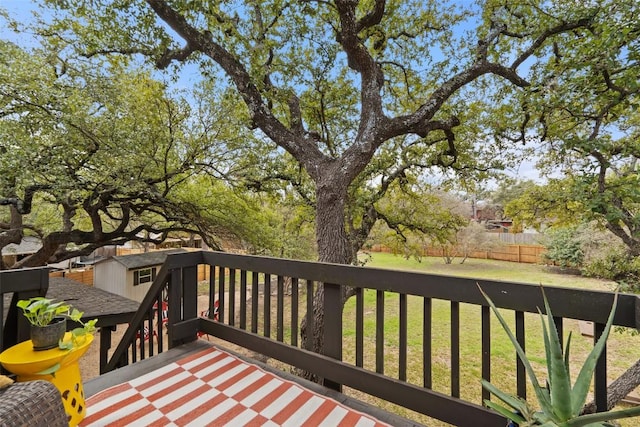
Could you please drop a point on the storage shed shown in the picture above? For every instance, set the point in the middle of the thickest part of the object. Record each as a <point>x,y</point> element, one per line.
<point>130,275</point>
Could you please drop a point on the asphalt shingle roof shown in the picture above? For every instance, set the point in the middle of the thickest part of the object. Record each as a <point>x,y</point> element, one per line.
<point>147,259</point>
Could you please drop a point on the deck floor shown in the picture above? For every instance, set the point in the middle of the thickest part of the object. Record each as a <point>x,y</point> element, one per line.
<point>209,386</point>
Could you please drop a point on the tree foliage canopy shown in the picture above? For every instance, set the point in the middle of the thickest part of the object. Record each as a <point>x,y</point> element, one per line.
<point>582,110</point>
<point>94,157</point>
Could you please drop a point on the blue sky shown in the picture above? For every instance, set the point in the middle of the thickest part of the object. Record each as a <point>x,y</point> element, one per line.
<point>20,10</point>
<point>17,5</point>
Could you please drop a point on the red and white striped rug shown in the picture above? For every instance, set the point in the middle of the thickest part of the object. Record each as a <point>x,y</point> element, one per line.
<point>214,388</point>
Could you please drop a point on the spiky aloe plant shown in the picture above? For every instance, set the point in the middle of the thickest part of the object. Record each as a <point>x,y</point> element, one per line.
<point>560,403</point>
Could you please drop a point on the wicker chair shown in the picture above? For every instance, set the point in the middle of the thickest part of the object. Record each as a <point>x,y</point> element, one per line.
<point>32,403</point>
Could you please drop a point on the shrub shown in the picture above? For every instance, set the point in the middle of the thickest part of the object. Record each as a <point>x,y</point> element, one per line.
<point>618,266</point>
<point>564,247</point>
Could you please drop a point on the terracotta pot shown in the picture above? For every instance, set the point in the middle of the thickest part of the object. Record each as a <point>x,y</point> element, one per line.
<point>47,337</point>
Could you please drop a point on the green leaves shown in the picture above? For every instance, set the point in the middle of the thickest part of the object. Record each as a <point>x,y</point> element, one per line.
<point>559,384</point>
<point>41,311</point>
<point>561,404</point>
<point>53,369</point>
<point>110,155</point>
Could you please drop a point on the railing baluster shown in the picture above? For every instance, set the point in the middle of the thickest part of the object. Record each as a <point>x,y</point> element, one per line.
<point>455,349</point>
<point>359,327</point>
<point>600,374</point>
<point>559,327</point>
<point>402,357</point>
<point>380,332</point>
<point>254,301</point>
<point>232,296</point>
<point>243,299</point>
<point>189,294</point>
<point>141,342</point>
<point>521,373</point>
<point>105,338</point>
<point>310,318</point>
<point>426,342</point>
<point>221,292</point>
<point>212,290</point>
<point>174,308</point>
<point>294,311</point>
<point>267,305</point>
<point>155,315</point>
<point>161,328</point>
<point>332,335</point>
<point>280,309</point>
<point>485,314</point>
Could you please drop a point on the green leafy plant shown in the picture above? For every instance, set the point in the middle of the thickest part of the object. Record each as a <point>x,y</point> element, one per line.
<point>41,311</point>
<point>560,403</point>
<point>78,334</point>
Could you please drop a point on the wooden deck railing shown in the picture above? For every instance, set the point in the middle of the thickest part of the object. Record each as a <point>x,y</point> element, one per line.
<point>18,284</point>
<point>261,301</point>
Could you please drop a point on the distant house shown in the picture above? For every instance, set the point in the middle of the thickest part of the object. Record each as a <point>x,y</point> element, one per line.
<point>499,225</point>
<point>130,275</point>
<point>13,253</point>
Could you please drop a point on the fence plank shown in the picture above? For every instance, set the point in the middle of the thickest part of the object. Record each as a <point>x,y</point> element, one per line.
<point>526,254</point>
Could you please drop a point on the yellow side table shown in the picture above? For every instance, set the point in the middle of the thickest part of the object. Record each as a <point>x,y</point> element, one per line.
<point>28,364</point>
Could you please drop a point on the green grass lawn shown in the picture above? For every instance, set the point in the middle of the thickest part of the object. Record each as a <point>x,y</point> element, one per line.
<point>488,269</point>
<point>622,350</point>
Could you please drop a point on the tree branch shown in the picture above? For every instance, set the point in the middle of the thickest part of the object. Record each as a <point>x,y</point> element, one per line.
<point>373,17</point>
<point>537,43</point>
<point>23,206</point>
<point>262,117</point>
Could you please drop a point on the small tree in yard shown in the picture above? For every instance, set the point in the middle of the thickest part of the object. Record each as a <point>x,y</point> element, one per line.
<point>417,215</point>
<point>465,240</point>
<point>474,237</point>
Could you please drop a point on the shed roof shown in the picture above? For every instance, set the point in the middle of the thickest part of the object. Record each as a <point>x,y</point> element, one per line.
<point>147,259</point>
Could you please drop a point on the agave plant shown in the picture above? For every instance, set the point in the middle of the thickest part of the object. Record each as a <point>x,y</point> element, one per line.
<point>560,402</point>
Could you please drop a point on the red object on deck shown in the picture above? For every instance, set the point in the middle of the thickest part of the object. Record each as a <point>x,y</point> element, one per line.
<point>205,313</point>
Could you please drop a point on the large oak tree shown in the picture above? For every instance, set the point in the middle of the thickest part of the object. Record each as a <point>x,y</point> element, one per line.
<point>339,84</point>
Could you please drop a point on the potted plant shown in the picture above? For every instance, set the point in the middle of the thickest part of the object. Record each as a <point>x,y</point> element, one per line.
<point>560,402</point>
<point>48,319</point>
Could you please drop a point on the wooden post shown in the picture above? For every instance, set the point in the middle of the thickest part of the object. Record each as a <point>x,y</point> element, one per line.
<point>332,327</point>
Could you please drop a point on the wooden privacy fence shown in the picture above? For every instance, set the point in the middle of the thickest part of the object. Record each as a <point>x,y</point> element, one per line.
<point>83,276</point>
<point>528,254</point>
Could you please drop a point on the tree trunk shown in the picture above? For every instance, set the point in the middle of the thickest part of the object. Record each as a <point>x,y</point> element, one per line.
<point>619,389</point>
<point>333,243</point>
<point>14,232</point>
<point>333,246</point>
